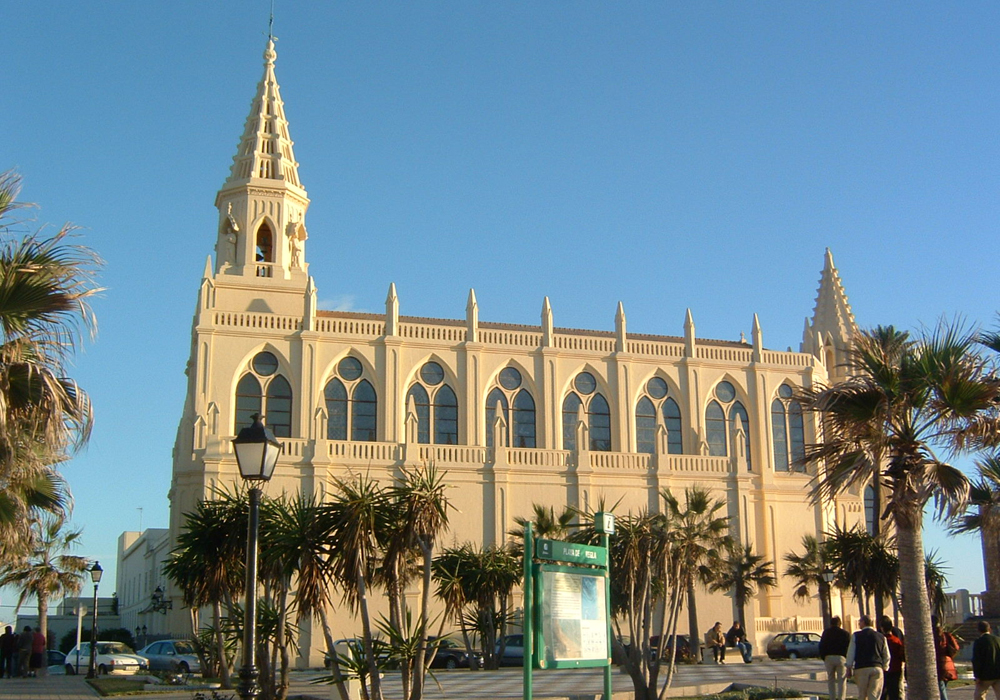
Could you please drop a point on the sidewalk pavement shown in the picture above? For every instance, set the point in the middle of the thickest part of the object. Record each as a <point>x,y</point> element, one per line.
<point>804,675</point>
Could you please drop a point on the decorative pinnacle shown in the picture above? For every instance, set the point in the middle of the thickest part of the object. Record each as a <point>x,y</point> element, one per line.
<point>269,53</point>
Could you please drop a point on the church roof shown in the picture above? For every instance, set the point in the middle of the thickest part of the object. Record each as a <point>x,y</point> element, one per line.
<point>265,150</point>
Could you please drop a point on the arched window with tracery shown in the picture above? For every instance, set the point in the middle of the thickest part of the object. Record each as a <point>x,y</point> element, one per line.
<point>351,404</point>
<point>725,417</point>
<point>787,431</point>
<point>264,251</point>
<point>261,390</point>
<point>436,406</point>
<point>510,392</point>
<point>597,413</point>
<point>656,397</point>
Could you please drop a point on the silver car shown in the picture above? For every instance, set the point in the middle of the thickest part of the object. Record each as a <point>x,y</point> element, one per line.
<point>175,655</point>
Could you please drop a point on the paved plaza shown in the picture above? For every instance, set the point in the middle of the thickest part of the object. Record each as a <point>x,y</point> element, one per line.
<point>805,675</point>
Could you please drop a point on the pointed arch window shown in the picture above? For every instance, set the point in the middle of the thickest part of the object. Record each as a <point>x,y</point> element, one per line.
<point>264,391</point>
<point>597,413</point>
<point>870,513</point>
<point>521,431</point>
<point>724,418</point>
<point>436,406</point>
<point>351,404</point>
<point>265,244</point>
<point>656,394</point>
<point>787,431</point>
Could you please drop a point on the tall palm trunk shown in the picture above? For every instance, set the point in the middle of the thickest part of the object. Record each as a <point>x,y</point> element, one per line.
<point>331,652</point>
<point>921,662</point>
<point>695,640</point>
<point>991,559</point>
<point>43,625</point>
<point>366,627</point>
<point>419,667</point>
<point>220,646</point>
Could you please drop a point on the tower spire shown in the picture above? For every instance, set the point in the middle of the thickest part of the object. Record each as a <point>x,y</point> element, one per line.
<point>832,313</point>
<point>265,149</point>
<point>262,205</point>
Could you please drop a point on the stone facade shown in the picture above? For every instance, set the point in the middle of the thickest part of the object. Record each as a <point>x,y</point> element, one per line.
<point>516,414</point>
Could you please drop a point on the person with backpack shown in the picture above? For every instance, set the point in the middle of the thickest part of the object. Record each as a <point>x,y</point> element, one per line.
<point>867,659</point>
<point>945,648</point>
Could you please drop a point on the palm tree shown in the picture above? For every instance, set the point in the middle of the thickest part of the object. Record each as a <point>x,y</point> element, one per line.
<point>903,400</point>
<point>698,533</point>
<point>742,573</point>
<point>985,496</point>
<point>45,283</point>
<point>936,579</point>
<point>49,571</point>
<point>208,564</point>
<point>546,523</point>
<point>807,570</point>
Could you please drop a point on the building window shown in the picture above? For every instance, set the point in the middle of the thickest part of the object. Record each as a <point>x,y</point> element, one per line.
<point>656,397</point>
<point>351,404</point>
<point>597,413</point>
<point>788,432</point>
<point>521,421</point>
<point>436,405</point>
<point>870,510</point>
<point>262,391</point>
<point>723,418</point>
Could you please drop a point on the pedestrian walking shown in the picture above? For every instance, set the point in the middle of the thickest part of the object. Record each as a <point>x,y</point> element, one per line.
<point>986,662</point>
<point>24,642</point>
<point>737,637</point>
<point>8,653</point>
<point>867,660</point>
<point>892,685</point>
<point>945,648</point>
<point>833,650</point>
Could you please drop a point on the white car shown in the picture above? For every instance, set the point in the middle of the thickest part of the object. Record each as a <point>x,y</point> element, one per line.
<point>112,657</point>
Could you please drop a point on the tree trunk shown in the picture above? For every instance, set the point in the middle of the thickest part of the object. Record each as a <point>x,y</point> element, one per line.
<point>921,661</point>
<point>366,627</point>
<point>419,666</point>
<point>43,625</point>
<point>220,646</point>
<point>695,641</point>
<point>331,651</point>
<point>991,565</point>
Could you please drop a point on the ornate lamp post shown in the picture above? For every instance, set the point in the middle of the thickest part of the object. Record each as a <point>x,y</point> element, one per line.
<point>828,576</point>
<point>95,575</point>
<point>257,452</point>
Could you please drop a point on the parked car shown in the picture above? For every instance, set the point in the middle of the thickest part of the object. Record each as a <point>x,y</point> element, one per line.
<point>681,647</point>
<point>56,662</point>
<point>451,654</point>
<point>513,650</point>
<point>112,657</point>
<point>175,655</point>
<point>793,645</point>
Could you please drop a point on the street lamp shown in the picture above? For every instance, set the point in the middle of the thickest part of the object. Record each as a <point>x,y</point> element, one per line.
<point>257,452</point>
<point>95,575</point>
<point>828,576</point>
<point>158,604</point>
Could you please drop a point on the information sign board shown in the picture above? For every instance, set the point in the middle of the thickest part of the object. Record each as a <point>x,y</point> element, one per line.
<point>572,604</point>
<point>557,550</point>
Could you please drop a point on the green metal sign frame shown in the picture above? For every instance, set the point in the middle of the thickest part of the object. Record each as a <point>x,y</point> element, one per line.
<point>544,647</point>
<point>596,564</point>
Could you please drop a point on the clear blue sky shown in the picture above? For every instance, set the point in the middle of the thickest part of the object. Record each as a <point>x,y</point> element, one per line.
<point>668,155</point>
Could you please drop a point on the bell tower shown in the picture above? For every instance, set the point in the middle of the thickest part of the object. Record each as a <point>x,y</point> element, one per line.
<point>262,205</point>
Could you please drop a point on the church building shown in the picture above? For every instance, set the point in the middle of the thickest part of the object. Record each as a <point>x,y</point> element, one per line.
<point>514,414</point>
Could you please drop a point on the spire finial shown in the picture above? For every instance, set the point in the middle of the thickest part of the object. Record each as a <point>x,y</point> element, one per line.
<point>270,24</point>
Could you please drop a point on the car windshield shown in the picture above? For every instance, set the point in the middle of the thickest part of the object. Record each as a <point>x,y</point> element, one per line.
<point>113,648</point>
<point>184,647</point>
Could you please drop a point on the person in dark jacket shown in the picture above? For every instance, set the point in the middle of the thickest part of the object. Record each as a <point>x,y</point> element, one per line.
<point>945,648</point>
<point>891,687</point>
<point>833,650</point>
<point>737,637</point>
<point>8,653</point>
<point>24,641</point>
<point>867,659</point>
<point>986,662</point>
